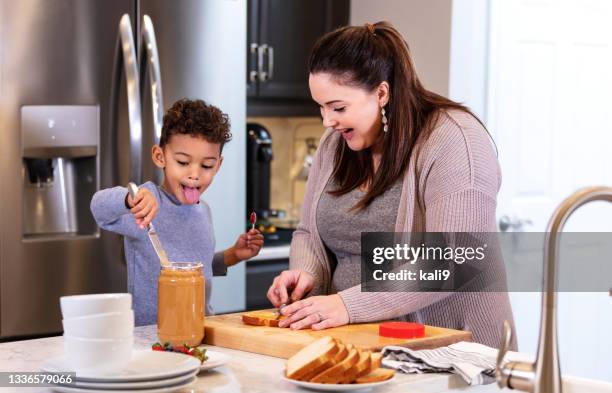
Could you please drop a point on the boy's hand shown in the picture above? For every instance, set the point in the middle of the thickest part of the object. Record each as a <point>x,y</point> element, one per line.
<point>247,246</point>
<point>143,207</point>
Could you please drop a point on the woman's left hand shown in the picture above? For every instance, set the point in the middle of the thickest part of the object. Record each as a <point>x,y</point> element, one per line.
<point>316,312</point>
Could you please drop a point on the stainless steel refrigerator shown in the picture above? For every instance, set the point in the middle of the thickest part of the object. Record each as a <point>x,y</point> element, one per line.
<point>83,88</point>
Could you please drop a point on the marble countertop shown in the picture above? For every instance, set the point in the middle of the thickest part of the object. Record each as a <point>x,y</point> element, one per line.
<point>245,372</point>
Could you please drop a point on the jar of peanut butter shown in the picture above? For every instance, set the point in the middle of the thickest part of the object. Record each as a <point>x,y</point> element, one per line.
<point>180,304</point>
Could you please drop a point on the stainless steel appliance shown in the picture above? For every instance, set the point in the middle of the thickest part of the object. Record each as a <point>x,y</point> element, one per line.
<point>83,88</point>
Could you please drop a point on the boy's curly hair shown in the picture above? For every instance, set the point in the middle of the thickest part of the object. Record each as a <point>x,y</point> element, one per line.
<point>196,118</point>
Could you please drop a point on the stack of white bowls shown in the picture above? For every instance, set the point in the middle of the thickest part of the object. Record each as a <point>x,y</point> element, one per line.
<point>98,331</point>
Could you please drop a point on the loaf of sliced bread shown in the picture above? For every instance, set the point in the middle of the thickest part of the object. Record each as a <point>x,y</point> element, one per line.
<point>312,359</point>
<point>335,374</point>
<point>262,318</point>
<point>377,375</point>
<point>329,361</point>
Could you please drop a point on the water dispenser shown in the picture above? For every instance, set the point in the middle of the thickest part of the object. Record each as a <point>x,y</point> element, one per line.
<point>59,169</point>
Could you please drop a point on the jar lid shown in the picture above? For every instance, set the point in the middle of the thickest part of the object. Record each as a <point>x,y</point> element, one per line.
<point>183,266</point>
<point>401,330</point>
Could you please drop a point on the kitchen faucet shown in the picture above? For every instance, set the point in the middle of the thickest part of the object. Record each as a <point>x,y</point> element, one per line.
<point>544,376</point>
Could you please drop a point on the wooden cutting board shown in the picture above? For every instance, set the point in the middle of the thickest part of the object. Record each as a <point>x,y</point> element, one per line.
<point>228,331</point>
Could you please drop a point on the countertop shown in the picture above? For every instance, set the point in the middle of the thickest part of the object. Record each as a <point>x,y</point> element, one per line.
<point>272,252</point>
<point>245,372</point>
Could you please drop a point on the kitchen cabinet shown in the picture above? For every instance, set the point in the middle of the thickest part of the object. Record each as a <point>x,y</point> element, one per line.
<point>280,36</point>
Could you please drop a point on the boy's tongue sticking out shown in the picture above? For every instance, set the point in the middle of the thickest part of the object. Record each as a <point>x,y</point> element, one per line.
<point>192,194</point>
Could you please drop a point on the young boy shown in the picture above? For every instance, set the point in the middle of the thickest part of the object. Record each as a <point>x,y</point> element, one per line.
<point>189,152</point>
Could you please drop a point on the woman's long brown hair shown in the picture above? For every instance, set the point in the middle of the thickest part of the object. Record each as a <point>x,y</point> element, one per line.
<point>365,57</point>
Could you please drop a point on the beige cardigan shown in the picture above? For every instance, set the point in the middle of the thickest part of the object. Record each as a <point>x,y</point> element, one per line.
<point>451,187</point>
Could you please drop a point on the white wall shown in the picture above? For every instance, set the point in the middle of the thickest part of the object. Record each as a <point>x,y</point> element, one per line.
<point>426,26</point>
<point>448,40</point>
<point>468,71</point>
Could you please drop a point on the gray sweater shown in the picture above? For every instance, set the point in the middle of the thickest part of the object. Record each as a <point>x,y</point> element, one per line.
<point>185,231</point>
<point>333,219</point>
<point>451,186</point>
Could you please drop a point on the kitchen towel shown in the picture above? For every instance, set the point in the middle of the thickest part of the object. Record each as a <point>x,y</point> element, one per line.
<point>474,362</point>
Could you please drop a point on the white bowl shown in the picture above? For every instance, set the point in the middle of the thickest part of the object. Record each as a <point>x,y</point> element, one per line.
<point>81,305</point>
<point>103,355</point>
<point>109,325</point>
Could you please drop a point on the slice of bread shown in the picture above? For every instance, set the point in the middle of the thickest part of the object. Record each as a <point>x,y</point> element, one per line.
<point>336,373</point>
<point>262,318</point>
<point>315,357</point>
<point>342,352</point>
<point>361,368</point>
<point>376,360</point>
<point>378,375</point>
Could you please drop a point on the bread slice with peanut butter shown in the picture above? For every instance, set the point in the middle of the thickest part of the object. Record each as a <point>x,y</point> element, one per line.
<point>262,318</point>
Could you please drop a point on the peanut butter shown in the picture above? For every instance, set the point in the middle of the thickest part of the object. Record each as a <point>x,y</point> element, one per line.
<point>180,304</point>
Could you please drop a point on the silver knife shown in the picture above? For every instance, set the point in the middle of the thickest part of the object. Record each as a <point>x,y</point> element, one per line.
<point>279,310</point>
<point>163,258</point>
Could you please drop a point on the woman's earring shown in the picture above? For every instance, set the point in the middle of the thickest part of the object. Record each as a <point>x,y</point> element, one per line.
<point>384,120</point>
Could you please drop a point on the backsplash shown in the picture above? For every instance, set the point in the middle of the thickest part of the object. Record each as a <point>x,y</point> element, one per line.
<point>290,138</point>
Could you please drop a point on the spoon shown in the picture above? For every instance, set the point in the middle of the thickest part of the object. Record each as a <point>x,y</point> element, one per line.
<point>163,258</point>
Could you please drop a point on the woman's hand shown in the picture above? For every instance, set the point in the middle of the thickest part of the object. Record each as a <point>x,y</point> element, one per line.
<point>143,207</point>
<point>316,312</point>
<point>290,286</point>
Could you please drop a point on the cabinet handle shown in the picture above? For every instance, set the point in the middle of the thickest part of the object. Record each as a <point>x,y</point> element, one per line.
<point>253,74</point>
<point>270,62</point>
<point>261,51</point>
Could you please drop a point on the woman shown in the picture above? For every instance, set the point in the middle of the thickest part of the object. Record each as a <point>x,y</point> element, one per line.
<point>395,158</point>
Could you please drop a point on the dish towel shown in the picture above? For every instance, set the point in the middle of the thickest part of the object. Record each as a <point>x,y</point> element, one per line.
<point>474,362</point>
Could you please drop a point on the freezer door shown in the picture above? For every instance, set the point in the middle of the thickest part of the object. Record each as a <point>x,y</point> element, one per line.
<point>57,53</point>
<point>201,54</point>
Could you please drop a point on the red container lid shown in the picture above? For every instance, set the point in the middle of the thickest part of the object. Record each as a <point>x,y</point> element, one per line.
<point>401,330</point>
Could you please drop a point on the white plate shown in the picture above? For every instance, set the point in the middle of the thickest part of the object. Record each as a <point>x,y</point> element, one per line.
<point>215,359</point>
<point>167,389</point>
<point>146,365</point>
<point>158,383</point>
<point>333,387</point>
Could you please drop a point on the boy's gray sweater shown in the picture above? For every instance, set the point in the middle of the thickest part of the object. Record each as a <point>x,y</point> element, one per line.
<point>185,231</point>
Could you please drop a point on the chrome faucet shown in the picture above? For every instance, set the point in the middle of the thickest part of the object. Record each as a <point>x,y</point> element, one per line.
<point>544,376</point>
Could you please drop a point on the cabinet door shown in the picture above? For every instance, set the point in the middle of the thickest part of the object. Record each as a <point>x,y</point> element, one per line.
<point>252,42</point>
<point>290,29</point>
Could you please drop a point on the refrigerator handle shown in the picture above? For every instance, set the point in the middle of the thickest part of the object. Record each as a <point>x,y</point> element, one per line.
<point>125,57</point>
<point>149,58</point>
